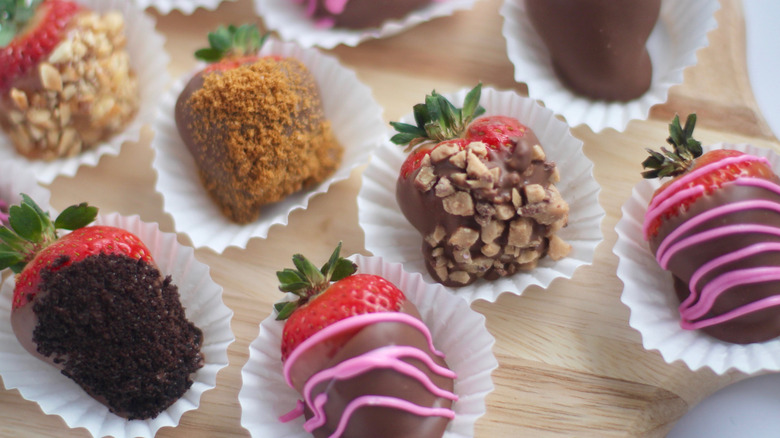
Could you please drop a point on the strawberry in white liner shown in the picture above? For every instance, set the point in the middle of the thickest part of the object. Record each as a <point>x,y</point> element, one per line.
<point>77,305</point>
<point>360,355</point>
<point>716,227</point>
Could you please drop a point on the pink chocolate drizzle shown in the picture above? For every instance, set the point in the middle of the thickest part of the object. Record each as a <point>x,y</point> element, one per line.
<point>335,7</point>
<point>385,357</point>
<point>699,303</point>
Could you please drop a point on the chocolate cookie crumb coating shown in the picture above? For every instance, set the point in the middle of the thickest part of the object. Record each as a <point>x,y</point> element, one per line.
<point>361,14</point>
<point>117,328</point>
<point>257,133</point>
<point>598,47</point>
<point>485,212</point>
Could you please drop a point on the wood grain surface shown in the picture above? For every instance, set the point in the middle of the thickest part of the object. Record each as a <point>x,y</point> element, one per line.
<point>569,363</point>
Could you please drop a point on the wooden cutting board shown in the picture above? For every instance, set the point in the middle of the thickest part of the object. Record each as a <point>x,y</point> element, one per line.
<point>569,363</point>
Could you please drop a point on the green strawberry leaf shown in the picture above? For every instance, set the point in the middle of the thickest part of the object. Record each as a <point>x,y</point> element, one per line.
<point>76,216</point>
<point>285,309</point>
<point>208,54</point>
<point>344,268</point>
<point>307,268</point>
<point>24,220</point>
<point>9,257</point>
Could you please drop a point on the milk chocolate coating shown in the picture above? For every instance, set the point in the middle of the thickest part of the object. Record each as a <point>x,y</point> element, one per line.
<point>753,327</point>
<point>598,47</point>
<point>426,210</point>
<point>377,422</point>
<point>361,14</point>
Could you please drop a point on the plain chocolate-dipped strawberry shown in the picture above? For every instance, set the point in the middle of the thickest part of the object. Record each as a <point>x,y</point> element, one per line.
<point>716,227</point>
<point>65,81</point>
<point>255,126</point>
<point>598,47</point>
<point>360,356</point>
<point>93,304</point>
<point>479,190</point>
<point>360,14</point>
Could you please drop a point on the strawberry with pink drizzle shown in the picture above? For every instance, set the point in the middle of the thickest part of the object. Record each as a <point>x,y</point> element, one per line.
<point>360,356</point>
<point>359,14</point>
<point>716,227</point>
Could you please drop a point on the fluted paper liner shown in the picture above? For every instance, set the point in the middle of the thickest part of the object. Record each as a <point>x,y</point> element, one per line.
<point>148,60</point>
<point>186,7</point>
<point>680,32</point>
<point>354,115</point>
<point>458,332</point>
<point>648,291</point>
<point>288,18</point>
<point>58,395</point>
<point>390,235</point>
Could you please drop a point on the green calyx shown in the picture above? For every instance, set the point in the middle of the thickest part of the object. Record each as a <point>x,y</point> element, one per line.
<point>232,41</point>
<point>30,229</point>
<point>438,119</point>
<point>14,15</point>
<point>307,281</point>
<point>685,149</point>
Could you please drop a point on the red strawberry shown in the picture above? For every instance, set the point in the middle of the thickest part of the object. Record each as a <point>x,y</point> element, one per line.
<point>93,304</point>
<point>685,158</point>
<point>323,303</point>
<point>480,191</point>
<point>29,32</point>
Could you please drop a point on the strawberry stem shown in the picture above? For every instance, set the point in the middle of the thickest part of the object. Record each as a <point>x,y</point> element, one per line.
<point>30,229</point>
<point>685,150</point>
<point>14,15</point>
<point>306,281</point>
<point>438,119</point>
<point>231,41</point>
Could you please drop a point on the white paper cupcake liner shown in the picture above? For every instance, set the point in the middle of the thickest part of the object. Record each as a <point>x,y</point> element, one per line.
<point>649,292</point>
<point>186,7</point>
<point>289,19</point>
<point>458,332</point>
<point>15,180</point>
<point>681,30</point>
<point>58,395</point>
<point>389,234</point>
<point>356,120</point>
<point>148,60</point>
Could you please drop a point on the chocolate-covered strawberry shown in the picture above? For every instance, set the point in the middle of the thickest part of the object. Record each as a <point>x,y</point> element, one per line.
<point>93,304</point>
<point>716,227</point>
<point>480,191</point>
<point>65,80</point>
<point>254,125</point>
<point>359,14</point>
<point>358,353</point>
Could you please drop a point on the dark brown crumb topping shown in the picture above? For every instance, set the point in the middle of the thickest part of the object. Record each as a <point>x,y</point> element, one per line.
<point>120,331</point>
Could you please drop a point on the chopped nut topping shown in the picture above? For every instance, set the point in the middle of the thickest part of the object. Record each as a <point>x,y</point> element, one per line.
<point>558,248</point>
<point>476,168</point>
<point>425,178</point>
<point>444,187</point>
<point>534,193</point>
<point>19,98</point>
<point>444,151</point>
<point>504,212</point>
<point>459,204</point>
<point>492,231</point>
<point>435,238</point>
<point>437,252</point>
<point>520,231</point>
<point>491,249</point>
<point>478,148</point>
<point>459,179</point>
<point>538,153</point>
<point>459,159</point>
<point>461,256</point>
<point>464,237</point>
<point>462,277</point>
<point>555,176</point>
<point>526,256</point>
<point>517,200</point>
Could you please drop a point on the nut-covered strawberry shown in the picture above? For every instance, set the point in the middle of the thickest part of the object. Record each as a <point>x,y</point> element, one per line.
<point>480,191</point>
<point>255,126</point>
<point>360,356</point>
<point>716,227</point>
<point>65,80</point>
<point>93,304</point>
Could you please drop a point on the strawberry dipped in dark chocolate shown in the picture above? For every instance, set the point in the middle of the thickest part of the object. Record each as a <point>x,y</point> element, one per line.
<point>480,191</point>
<point>255,126</point>
<point>598,47</point>
<point>359,14</point>
<point>93,304</point>
<point>716,227</point>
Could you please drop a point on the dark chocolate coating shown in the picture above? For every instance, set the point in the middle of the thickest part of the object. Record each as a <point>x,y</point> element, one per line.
<point>598,47</point>
<point>753,327</point>
<point>361,14</point>
<point>425,210</point>
<point>378,422</point>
